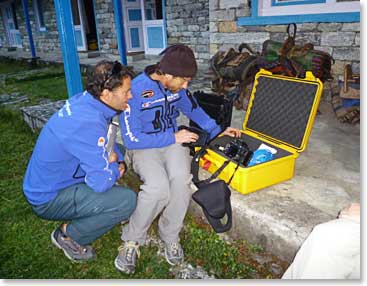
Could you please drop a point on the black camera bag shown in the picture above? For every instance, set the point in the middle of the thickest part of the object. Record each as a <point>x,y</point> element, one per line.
<point>213,197</point>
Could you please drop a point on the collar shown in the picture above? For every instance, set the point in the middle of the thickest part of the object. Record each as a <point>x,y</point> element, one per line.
<point>107,111</point>
<point>148,71</point>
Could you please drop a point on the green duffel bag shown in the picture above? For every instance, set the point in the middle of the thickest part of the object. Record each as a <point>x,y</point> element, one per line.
<point>305,56</point>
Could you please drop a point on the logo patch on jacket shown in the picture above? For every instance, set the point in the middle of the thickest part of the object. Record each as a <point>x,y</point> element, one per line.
<point>101,141</point>
<point>147,93</point>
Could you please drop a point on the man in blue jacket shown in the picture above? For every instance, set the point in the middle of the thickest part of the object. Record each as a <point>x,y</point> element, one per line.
<point>150,132</point>
<point>71,175</point>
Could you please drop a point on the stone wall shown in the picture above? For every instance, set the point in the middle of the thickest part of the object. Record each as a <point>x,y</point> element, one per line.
<point>188,23</point>
<point>47,41</point>
<point>105,22</point>
<point>3,39</point>
<point>211,25</point>
<point>341,40</point>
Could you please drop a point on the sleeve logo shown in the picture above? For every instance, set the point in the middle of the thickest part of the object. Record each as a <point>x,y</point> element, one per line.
<point>101,142</point>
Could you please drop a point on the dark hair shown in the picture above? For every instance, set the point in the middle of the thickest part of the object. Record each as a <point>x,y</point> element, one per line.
<point>107,75</point>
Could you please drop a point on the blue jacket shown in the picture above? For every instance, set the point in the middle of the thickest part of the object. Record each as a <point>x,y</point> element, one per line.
<point>71,149</point>
<point>150,120</point>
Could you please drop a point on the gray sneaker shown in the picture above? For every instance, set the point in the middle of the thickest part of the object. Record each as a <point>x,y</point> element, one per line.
<point>173,253</point>
<point>125,261</point>
<point>73,250</point>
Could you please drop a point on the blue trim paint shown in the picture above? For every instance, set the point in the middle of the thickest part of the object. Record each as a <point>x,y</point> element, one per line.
<point>165,39</point>
<point>306,18</point>
<point>120,30</point>
<point>256,20</point>
<point>300,2</point>
<point>64,20</point>
<point>29,28</point>
<point>254,8</point>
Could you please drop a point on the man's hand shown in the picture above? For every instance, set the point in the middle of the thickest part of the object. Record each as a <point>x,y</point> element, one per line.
<point>352,212</point>
<point>185,136</point>
<point>113,157</point>
<point>233,132</point>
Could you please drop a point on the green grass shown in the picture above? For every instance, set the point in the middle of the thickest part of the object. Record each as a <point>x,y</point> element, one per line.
<point>11,66</point>
<point>26,250</point>
<point>47,83</point>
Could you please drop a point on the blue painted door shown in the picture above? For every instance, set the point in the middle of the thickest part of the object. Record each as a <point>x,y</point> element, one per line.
<point>133,25</point>
<point>153,26</point>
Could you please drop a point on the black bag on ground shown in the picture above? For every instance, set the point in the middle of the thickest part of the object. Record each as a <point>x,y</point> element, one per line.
<point>213,197</point>
<point>216,106</point>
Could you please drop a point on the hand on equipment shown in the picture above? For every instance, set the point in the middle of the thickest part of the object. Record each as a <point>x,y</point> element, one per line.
<point>233,132</point>
<point>185,136</point>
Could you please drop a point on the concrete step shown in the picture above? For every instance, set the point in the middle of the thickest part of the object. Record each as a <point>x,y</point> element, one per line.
<point>327,179</point>
<point>134,57</point>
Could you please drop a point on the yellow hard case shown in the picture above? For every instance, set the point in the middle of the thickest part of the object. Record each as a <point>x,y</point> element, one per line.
<point>250,179</point>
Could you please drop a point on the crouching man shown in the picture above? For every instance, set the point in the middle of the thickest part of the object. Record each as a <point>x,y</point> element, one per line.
<point>71,176</point>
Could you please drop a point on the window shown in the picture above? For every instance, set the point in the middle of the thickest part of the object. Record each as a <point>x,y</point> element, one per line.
<point>265,12</point>
<point>38,14</point>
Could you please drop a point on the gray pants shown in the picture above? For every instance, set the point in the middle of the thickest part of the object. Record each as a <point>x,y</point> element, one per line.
<point>166,176</point>
<point>90,214</point>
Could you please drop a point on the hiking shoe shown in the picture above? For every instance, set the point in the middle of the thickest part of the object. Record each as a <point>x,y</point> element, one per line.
<point>173,253</point>
<point>125,261</point>
<point>73,250</point>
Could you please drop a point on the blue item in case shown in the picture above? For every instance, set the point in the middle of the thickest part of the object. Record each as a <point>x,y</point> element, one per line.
<point>260,156</point>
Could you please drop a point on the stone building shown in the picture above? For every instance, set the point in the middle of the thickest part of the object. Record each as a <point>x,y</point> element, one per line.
<point>205,25</point>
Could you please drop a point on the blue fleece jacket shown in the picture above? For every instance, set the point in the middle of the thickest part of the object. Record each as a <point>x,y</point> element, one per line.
<point>72,149</point>
<point>150,120</point>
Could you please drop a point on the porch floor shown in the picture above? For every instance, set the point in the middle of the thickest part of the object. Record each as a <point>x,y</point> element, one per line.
<point>279,218</point>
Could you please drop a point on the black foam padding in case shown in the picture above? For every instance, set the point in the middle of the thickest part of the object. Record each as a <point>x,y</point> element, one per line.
<point>281,109</point>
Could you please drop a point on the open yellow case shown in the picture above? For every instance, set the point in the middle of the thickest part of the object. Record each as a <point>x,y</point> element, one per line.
<point>280,114</point>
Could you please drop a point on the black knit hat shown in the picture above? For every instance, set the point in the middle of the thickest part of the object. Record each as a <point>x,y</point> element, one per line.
<point>178,60</point>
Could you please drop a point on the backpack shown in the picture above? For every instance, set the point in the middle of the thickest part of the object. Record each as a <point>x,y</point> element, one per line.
<point>233,69</point>
<point>298,58</point>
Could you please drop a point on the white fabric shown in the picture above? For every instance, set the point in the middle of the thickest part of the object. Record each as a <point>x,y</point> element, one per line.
<point>331,251</point>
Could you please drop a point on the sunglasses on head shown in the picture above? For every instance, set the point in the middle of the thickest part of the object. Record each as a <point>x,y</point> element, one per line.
<point>116,69</point>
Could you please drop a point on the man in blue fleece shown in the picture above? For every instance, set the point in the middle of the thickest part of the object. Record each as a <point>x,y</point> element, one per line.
<point>71,176</point>
<point>150,132</point>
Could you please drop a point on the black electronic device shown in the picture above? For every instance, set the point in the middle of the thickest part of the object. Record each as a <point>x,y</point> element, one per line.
<point>203,136</point>
<point>237,150</point>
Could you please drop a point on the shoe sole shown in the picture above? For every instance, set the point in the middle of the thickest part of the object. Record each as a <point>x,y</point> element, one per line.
<point>126,271</point>
<point>54,242</point>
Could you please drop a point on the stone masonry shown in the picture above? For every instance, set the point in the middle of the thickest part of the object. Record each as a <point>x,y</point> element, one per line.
<point>188,23</point>
<point>205,25</point>
<point>105,22</point>
<point>44,41</point>
<point>341,40</point>
<point>48,41</point>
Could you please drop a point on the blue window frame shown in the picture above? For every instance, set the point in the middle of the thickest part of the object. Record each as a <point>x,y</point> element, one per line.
<point>294,2</point>
<point>270,12</point>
